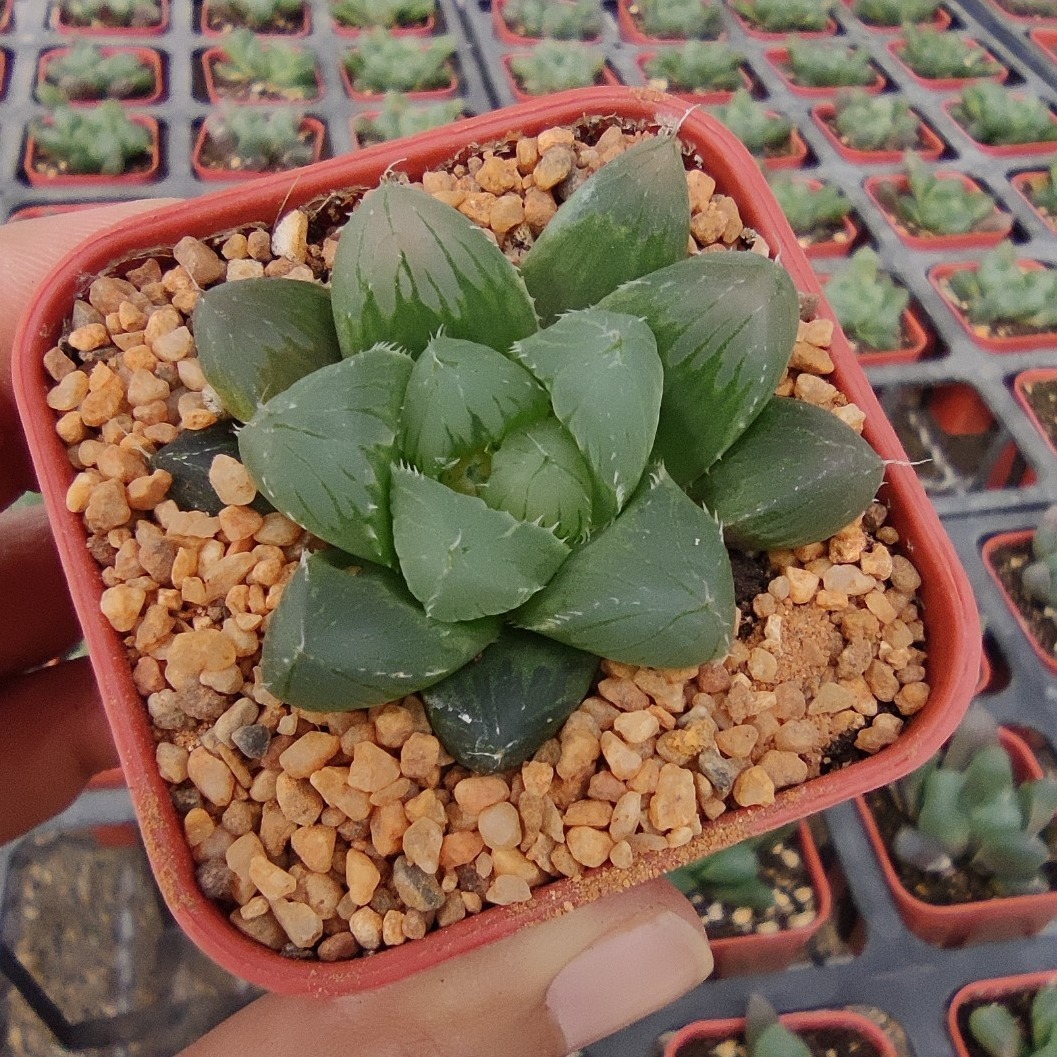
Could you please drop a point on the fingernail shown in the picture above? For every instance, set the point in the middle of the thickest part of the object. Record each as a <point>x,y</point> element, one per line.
<point>627,974</point>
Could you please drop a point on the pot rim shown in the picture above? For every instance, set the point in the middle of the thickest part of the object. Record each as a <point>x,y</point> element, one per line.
<point>992,989</point>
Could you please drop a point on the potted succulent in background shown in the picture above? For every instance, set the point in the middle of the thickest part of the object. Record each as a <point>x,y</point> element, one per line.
<point>769,19</point>
<point>700,71</point>
<point>290,17</point>
<point>1040,190</point>
<point>767,135</point>
<point>248,68</point>
<point>1027,11</point>
<point>1004,122</point>
<point>400,117</point>
<point>523,21</point>
<point>378,63</point>
<point>818,213</point>
<point>114,17</point>
<point>874,129</point>
<point>237,143</point>
<point>815,69</point>
<point>85,73</point>
<point>1036,392</point>
<point>411,17</point>
<point>1013,1015</point>
<point>556,66</point>
<point>891,14</point>
<point>668,21</point>
<point>944,60</point>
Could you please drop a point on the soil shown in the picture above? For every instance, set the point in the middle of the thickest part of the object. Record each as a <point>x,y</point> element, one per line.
<point>213,157</point>
<point>256,91</point>
<point>1018,1004</point>
<point>1042,397</point>
<point>823,1042</point>
<point>987,330</point>
<point>1008,563</point>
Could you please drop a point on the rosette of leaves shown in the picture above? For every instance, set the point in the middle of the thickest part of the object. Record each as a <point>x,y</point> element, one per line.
<point>815,65</point>
<point>558,19</point>
<point>261,141</point>
<point>875,122</point>
<point>556,66</point>
<point>965,810</point>
<point>1043,193</point>
<point>935,54</point>
<point>381,62</point>
<point>1000,292</point>
<point>257,14</point>
<point>761,130</point>
<point>1031,8</point>
<point>102,140</point>
<point>733,876</point>
<point>939,206</point>
<point>785,16</point>
<point>814,213</point>
<point>86,73</point>
<point>766,1035</point>
<point>499,459</point>
<point>997,116</point>
<point>867,302</point>
<point>895,12</point>
<point>383,14</point>
<point>112,13</point>
<point>401,117</point>
<point>680,19</point>
<point>697,66</point>
<point>1039,577</point>
<point>272,68</point>
<point>999,1033</point>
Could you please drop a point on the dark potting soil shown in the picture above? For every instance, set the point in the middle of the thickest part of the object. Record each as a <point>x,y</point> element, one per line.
<point>752,574</point>
<point>1018,1004</point>
<point>824,1042</point>
<point>1042,396</point>
<point>1009,563</point>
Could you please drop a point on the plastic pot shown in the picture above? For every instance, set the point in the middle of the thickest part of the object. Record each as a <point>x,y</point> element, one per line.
<point>943,84</point>
<point>1003,150</point>
<point>783,35</point>
<point>426,29</point>
<point>218,93</point>
<point>1025,184</point>
<point>1022,386</point>
<point>424,96</point>
<point>1022,20</point>
<point>1001,221</point>
<point>310,126</point>
<point>779,59</point>
<point>71,30</point>
<point>1000,990</point>
<point>940,20</point>
<point>929,147</point>
<point>148,56</point>
<point>918,342</point>
<point>838,244</point>
<point>947,603</point>
<point>1046,41</point>
<point>506,35</point>
<point>140,176</point>
<point>629,27</point>
<point>606,77</point>
<point>960,924</point>
<point>710,97</point>
<point>213,27</point>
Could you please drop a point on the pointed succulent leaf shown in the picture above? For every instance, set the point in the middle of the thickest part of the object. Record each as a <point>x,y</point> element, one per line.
<point>779,1041</point>
<point>796,475</point>
<point>538,474</point>
<point>907,791</point>
<point>988,774</point>
<point>1044,1016</point>
<point>321,450</point>
<point>1038,804</point>
<point>725,325</point>
<point>653,588</point>
<point>257,337</point>
<point>461,559</point>
<point>1014,858</point>
<point>999,815</point>
<point>605,381</point>
<point>941,816</point>
<point>760,1015</point>
<point>926,853</point>
<point>409,266</point>
<point>464,397</point>
<point>997,1031</point>
<point>631,218</point>
<point>495,712</point>
<point>346,637</point>
<point>976,731</point>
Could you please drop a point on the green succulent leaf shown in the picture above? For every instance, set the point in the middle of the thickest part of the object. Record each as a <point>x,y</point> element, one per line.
<point>988,774</point>
<point>796,475</point>
<point>1038,803</point>
<point>941,816</point>
<point>460,558</point>
<point>653,588</point>
<point>997,1031</point>
<point>605,381</point>
<point>321,451</point>
<point>409,266</point>
<point>1015,858</point>
<point>725,325</point>
<point>345,637</point>
<point>631,218</point>
<point>497,711</point>
<point>1044,1016</point>
<point>779,1041</point>
<point>463,397</point>
<point>257,337</point>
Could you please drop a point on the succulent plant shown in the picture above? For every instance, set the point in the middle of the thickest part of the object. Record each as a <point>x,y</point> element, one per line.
<point>1043,194</point>
<point>557,65</point>
<point>1032,8</point>
<point>995,115</point>
<point>380,62</point>
<point>682,19</point>
<point>1039,577</point>
<point>1001,292</point>
<point>813,213</point>
<point>965,810</point>
<point>103,140</point>
<point>999,1033</point>
<point>257,14</point>
<point>401,117</point>
<point>274,68</point>
<point>766,1035</point>
<point>816,65</point>
<point>697,66</point>
<point>260,141</point>
<point>895,12</point>
<point>936,54</point>
<point>868,303</point>
<point>785,16</point>
<point>86,73</point>
<point>761,131</point>
<point>558,19</point>
<point>497,456</point>
<point>384,14</point>
<point>732,876</point>
<point>114,13</point>
<point>875,122</point>
<point>939,206</point>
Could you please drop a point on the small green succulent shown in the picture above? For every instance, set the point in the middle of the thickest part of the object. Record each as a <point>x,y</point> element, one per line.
<point>381,62</point>
<point>557,65</point>
<point>1043,194</point>
<point>529,467</point>
<point>697,66</point>
<point>868,303</point>
<point>1039,577</point>
<point>102,140</point>
<point>815,65</point>
<point>939,205</point>
<point>814,213</point>
<point>112,13</point>
<point>680,19</point>
<point>876,122</point>
<point>935,55</point>
<point>965,810</point>
<point>1031,8</point>
<point>259,140</point>
<point>785,16</point>
<point>558,19</point>
<point>895,12</point>
<point>762,131</point>
<point>383,14</point>
<point>1000,1034</point>
<point>258,14</point>
<point>401,117</point>
<point>268,68</point>
<point>1002,293</point>
<point>766,1035</point>
<point>997,116</point>
<point>86,73</point>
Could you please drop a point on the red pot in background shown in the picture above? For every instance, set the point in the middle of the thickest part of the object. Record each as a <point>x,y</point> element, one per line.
<point>918,341</point>
<point>608,77</point>
<point>961,924</point>
<point>427,29</point>
<point>1005,150</point>
<point>779,59</point>
<point>930,146</point>
<point>142,176</point>
<point>1021,388</point>
<point>940,20</point>
<point>947,603</point>
<point>507,36</point>
<point>215,91</point>
<point>1046,41</point>
<point>716,97</point>
<point>943,84</point>
<point>783,35</point>
<point>985,991</point>
<point>839,244</point>
<point>209,30</point>
<point>429,95</point>
<point>971,240</point>
<point>310,125</point>
<point>630,31</point>
<point>70,30</point>
<point>1024,183</point>
<point>1023,20</point>
<point>148,56</point>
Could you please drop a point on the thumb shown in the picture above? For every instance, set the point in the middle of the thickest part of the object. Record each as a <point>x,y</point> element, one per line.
<point>542,992</point>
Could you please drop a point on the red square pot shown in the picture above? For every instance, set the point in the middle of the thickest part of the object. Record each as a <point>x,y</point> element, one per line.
<point>629,29</point>
<point>1022,385</point>
<point>426,29</point>
<point>311,125</point>
<point>779,59</point>
<point>506,35</point>
<point>142,176</point>
<point>425,96</point>
<point>1021,20</point>
<point>1024,183</point>
<point>919,341</point>
<point>68,29</point>
<point>215,92</point>
<point>839,244</point>
<point>777,37</point>
<point>208,29</point>
<point>607,77</point>
<point>940,20</point>
<point>929,147</point>
<point>952,624</point>
<point>986,991</point>
<point>943,84</point>
<point>148,56</point>
<point>1046,41</point>
<point>714,98</point>
<point>1004,150</point>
